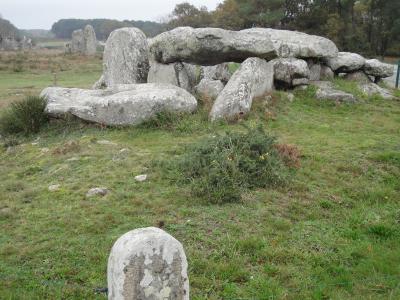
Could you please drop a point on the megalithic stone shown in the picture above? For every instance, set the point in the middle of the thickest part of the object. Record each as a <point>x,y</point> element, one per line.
<point>147,264</point>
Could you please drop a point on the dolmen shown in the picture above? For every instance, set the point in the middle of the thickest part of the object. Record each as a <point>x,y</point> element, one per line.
<point>143,77</point>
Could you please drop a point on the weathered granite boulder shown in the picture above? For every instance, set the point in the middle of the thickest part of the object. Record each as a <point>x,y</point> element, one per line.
<point>218,72</point>
<point>379,69</point>
<point>326,91</point>
<point>90,40</point>
<point>346,62</point>
<point>126,57</point>
<point>78,41</point>
<point>210,46</point>
<point>122,105</point>
<point>371,89</point>
<point>315,69</point>
<point>358,76</point>
<point>147,264</point>
<point>326,73</point>
<point>254,78</point>
<point>209,89</point>
<point>290,72</point>
<point>297,44</point>
<point>193,72</point>
<point>174,73</point>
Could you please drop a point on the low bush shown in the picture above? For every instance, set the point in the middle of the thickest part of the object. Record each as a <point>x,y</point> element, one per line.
<point>221,168</point>
<point>24,117</point>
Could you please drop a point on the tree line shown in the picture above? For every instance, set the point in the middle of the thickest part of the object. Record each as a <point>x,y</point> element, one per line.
<point>370,27</point>
<point>103,27</point>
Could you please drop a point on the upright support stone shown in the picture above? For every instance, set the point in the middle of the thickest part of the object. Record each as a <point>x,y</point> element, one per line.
<point>147,264</point>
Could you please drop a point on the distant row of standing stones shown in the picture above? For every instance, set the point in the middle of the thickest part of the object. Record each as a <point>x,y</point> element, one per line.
<point>142,76</point>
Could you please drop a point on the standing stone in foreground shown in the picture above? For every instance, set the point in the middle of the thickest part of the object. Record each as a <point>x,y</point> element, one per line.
<point>253,79</point>
<point>147,264</point>
<point>126,57</point>
<point>90,40</point>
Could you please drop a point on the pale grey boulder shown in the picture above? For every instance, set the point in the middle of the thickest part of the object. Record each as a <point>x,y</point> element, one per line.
<point>218,72</point>
<point>326,91</point>
<point>90,40</point>
<point>122,105</point>
<point>193,72</point>
<point>371,89</point>
<point>326,73</point>
<point>126,57</point>
<point>254,78</point>
<point>290,72</point>
<point>210,46</point>
<point>174,73</point>
<point>147,264</point>
<point>358,76</point>
<point>346,62</point>
<point>379,69</point>
<point>209,89</point>
<point>315,69</point>
<point>78,41</point>
<point>297,44</point>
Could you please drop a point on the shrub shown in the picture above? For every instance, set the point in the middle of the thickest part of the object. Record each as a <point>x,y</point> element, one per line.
<point>221,168</point>
<point>26,116</point>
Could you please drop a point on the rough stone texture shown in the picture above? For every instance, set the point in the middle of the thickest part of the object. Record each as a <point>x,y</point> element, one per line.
<point>90,40</point>
<point>297,44</point>
<point>147,264</point>
<point>326,73</point>
<point>78,41</point>
<point>315,70</point>
<point>193,72</point>
<point>290,71</point>
<point>326,91</point>
<point>358,76</point>
<point>346,62</point>
<point>126,57</point>
<point>372,89</point>
<point>100,84</point>
<point>97,192</point>
<point>209,89</point>
<point>123,105</point>
<point>254,78</point>
<point>210,46</point>
<point>218,72</point>
<point>175,74</point>
<point>379,69</point>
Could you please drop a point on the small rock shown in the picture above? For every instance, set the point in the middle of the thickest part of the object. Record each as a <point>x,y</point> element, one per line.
<point>54,188</point>
<point>124,150</point>
<point>97,192</point>
<point>73,159</point>
<point>290,97</point>
<point>141,178</point>
<point>44,150</point>
<point>105,142</point>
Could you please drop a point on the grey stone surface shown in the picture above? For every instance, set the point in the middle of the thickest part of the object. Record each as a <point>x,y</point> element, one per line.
<point>290,71</point>
<point>297,44</point>
<point>122,105</point>
<point>209,89</point>
<point>358,76</point>
<point>254,78</point>
<point>90,40</point>
<point>346,62</point>
<point>326,73</point>
<point>379,69</point>
<point>175,73</point>
<point>218,72</point>
<point>210,46</point>
<point>99,191</point>
<point>147,264</point>
<point>78,41</point>
<point>315,70</point>
<point>391,81</point>
<point>372,89</point>
<point>126,57</point>
<point>326,91</point>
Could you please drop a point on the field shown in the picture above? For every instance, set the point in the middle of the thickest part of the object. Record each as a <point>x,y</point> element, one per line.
<point>333,232</point>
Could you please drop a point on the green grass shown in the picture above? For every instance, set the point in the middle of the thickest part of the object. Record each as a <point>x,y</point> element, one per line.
<point>333,233</point>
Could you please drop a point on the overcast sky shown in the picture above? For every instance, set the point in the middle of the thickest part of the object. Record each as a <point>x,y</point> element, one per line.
<point>41,14</point>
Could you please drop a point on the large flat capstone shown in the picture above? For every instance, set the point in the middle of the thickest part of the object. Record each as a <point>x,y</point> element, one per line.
<point>121,105</point>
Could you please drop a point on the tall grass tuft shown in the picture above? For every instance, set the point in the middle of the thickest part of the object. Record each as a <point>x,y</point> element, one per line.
<point>24,117</point>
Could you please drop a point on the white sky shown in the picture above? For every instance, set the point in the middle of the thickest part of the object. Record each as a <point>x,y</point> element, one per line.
<point>41,14</point>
